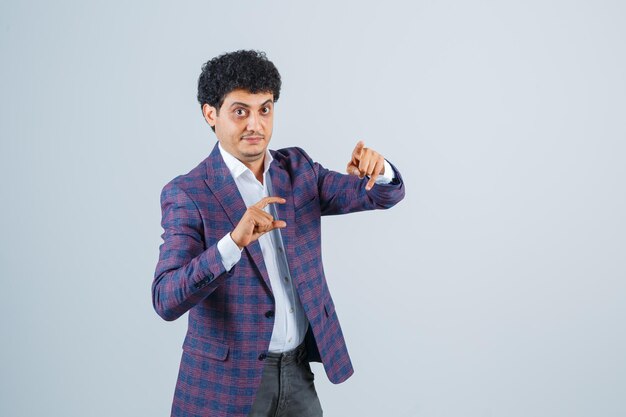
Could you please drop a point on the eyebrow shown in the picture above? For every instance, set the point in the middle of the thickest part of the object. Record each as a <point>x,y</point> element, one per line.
<point>238,103</point>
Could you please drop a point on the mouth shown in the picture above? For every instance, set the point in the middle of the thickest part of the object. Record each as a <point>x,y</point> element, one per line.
<point>252,139</point>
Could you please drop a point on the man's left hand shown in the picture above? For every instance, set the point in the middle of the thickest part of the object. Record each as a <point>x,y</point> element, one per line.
<point>366,161</point>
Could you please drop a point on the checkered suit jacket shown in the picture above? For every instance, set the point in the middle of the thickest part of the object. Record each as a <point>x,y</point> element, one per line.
<point>229,330</point>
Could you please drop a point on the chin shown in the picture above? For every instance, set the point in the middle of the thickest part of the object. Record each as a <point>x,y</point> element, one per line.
<point>253,156</point>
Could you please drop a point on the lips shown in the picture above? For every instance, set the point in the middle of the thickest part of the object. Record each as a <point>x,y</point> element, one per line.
<point>253,139</point>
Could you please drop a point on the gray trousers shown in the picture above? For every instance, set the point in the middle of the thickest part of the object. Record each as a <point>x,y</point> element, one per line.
<point>287,388</point>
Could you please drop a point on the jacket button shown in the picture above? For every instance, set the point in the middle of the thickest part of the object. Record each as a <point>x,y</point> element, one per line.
<point>269,314</point>
<point>262,356</point>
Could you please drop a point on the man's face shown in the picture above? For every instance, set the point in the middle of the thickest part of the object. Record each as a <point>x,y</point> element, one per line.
<point>244,124</point>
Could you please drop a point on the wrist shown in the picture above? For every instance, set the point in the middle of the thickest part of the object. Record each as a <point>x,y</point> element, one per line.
<point>236,241</point>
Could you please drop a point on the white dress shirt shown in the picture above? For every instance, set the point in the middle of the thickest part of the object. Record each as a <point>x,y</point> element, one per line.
<point>290,322</point>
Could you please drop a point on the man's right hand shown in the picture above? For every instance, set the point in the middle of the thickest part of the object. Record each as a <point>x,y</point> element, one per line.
<point>256,222</point>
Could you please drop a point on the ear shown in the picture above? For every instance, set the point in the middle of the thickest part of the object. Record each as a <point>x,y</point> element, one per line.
<point>210,114</point>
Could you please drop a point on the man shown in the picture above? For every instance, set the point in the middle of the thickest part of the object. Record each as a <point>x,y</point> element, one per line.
<point>242,253</point>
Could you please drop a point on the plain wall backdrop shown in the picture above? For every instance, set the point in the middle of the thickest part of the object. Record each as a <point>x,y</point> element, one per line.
<point>495,289</point>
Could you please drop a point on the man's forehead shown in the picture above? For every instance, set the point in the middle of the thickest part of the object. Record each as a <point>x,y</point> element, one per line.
<point>246,97</point>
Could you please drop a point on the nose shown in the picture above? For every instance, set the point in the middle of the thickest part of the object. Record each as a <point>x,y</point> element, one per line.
<point>254,122</point>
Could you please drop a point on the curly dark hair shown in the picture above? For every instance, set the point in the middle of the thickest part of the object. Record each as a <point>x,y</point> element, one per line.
<point>249,70</point>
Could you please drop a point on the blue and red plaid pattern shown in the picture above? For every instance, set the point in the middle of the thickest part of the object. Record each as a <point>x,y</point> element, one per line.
<point>228,330</point>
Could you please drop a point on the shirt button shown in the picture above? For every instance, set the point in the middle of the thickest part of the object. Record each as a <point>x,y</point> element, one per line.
<point>269,314</point>
<point>280,249</point>
<point>262,356</point>
<point>291,310</point>
<point>286,279</point>
<point>290,339</point>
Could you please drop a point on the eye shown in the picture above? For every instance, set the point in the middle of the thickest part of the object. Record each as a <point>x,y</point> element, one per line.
<point>266,110</point>
<point>240,112</point>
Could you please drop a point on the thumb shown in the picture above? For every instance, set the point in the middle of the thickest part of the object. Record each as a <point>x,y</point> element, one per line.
<point>352,169</point>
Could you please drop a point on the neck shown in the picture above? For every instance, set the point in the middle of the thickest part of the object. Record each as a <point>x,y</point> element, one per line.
<point>257,168</point>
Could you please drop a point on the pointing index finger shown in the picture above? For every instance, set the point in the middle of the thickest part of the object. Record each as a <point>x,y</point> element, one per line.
<point>356,153</point>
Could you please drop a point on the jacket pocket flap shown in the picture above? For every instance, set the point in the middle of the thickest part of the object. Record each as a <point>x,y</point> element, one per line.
<point>205,347</point>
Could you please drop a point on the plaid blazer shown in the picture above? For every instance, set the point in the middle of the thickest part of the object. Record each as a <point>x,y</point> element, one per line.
<point>228,330</point>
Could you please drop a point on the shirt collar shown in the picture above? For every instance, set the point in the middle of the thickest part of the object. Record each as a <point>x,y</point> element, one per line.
<point>238,168</point>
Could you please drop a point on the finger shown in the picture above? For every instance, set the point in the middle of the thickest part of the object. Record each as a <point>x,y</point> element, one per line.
<point>374,172</point>
<point>269,200</point>
<point>279,224</point>
<point>371,166</point>
<point>352,169</point>
<point>366,160</point>
<point>259,222</point>
<point>377,168</point>
<point>356,153</point>
<point>366,169</point>
<point>257,212</point>
<point>262,219</point>
<point>263,225</point>
<point>260,230</point>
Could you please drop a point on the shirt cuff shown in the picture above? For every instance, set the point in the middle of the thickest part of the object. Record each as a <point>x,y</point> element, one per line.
<point>229,251</point>
<point>388,176</point>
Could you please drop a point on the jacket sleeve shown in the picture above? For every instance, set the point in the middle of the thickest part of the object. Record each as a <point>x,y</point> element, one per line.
<point>342,193</point>
<point>186,272</point>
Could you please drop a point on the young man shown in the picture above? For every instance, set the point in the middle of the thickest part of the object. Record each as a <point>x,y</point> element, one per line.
<point>242,253</point>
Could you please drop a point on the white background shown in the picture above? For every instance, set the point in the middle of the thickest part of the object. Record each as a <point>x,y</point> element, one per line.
<point>496,288</point>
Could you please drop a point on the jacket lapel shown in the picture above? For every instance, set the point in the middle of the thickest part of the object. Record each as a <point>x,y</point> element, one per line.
<point>222,185</point>
<point>281,185</point>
